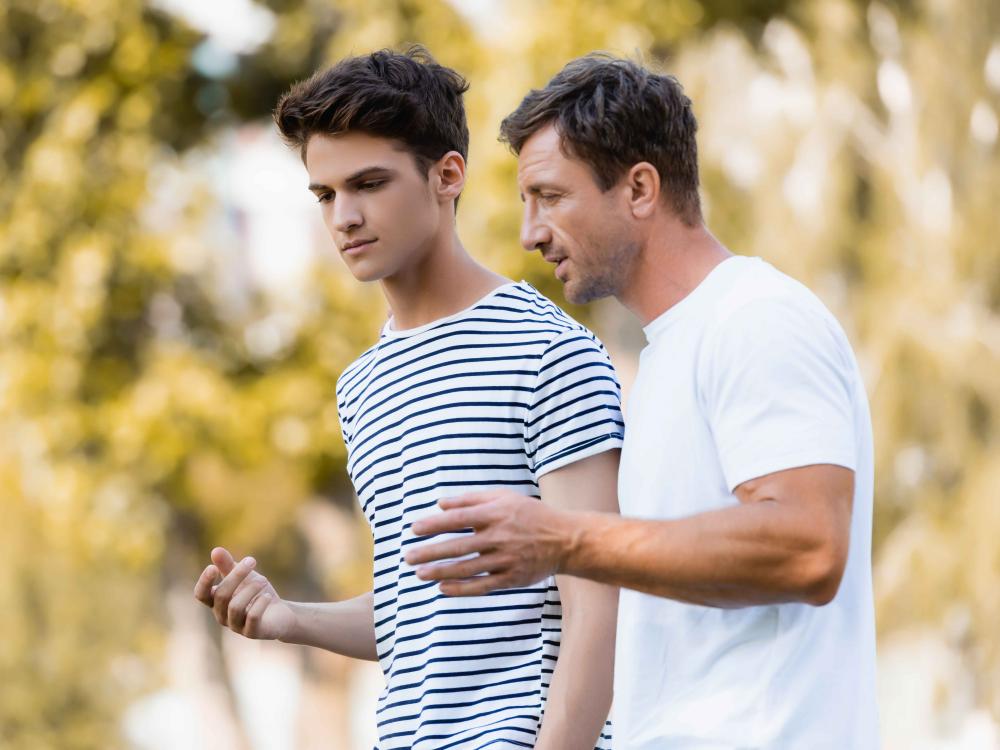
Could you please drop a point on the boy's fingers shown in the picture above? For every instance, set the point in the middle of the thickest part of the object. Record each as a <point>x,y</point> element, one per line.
<point>221,557</point>
<point>225,590</point>
<point>203,587</point>
<point>241,601</point>
<point>254,615</point>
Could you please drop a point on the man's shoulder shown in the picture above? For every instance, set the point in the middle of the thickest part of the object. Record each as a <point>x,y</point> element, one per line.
<point>767,315</point>
<point>760,294</point>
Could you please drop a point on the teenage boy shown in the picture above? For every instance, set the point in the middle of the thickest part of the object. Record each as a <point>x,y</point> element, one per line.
<point>746,617</point>
<point>475,383</point>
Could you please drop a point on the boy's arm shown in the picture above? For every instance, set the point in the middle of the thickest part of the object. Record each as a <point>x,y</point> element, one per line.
<point>345,627</point>
<point>580,693</point>
<point>245,602</point>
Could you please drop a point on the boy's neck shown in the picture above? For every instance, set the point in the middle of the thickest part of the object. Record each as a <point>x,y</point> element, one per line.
<point>445,281</point>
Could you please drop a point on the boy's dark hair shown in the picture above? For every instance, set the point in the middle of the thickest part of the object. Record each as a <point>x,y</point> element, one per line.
<point>613,113</point>
<point>407,97</point>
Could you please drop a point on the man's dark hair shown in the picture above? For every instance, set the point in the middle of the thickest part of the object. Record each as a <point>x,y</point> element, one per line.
<point>407,97</point>
<point>611,114</point>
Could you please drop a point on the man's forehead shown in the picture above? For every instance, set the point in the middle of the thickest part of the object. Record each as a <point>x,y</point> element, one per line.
<point>541,153</point>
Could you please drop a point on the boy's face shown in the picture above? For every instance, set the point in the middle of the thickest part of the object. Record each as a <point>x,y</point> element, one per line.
<point>376,204</point>
<point>585,231</point>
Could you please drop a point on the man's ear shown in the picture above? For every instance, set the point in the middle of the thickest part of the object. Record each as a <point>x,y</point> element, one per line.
<point>450,172</point>
<point>642,185</point>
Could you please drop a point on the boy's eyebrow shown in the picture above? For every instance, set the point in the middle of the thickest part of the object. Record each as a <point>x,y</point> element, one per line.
<point>358,176</point>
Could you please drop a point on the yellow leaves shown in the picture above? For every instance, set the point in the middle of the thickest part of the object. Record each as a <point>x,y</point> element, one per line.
<point>8,83</point>
<point>244,508</point>
<point>133,53</point>
<point>51,164</point>
<point>136,111</point>
<point>68,60</point>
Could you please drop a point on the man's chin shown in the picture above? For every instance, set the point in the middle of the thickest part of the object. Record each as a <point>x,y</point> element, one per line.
<point>581,294</point>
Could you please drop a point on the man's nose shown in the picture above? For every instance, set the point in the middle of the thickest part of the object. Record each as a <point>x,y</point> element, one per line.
<point>535,234</point>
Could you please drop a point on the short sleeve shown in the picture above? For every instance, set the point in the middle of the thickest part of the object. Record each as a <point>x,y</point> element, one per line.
<point>575,407</point>
<point>341,420</point>
<point>778,384</point>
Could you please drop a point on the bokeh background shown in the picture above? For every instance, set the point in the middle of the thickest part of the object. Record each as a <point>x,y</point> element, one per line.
<point>172,322</point>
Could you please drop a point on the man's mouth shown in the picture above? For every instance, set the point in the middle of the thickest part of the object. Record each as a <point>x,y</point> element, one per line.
<point>560,266</point>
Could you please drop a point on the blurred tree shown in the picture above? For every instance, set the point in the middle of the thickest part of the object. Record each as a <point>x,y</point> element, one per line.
<point>140,424</point>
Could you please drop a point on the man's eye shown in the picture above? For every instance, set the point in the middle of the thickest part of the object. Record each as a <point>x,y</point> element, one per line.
<point>548,197</point>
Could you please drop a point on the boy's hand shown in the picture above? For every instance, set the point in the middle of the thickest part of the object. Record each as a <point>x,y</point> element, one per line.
<point>242,599</point>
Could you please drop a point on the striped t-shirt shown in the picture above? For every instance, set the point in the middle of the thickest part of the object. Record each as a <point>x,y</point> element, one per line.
<point>492,397</point>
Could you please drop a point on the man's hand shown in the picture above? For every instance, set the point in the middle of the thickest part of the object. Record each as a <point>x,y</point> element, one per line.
<point>519,541</point>
<point>242,599</point>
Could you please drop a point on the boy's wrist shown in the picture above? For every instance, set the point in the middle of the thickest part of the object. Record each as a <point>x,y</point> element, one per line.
<point>293,633</point>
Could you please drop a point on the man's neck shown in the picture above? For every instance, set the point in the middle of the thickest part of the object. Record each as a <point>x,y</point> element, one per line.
<point>446,280</point>
<point>675,259</point>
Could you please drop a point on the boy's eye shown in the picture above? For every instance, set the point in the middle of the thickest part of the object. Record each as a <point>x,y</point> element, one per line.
<point>324,197</point>
<point>372,184</point>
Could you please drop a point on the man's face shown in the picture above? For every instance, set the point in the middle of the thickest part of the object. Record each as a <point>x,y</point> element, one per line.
<point>584,231</point>
<point>376,203</point>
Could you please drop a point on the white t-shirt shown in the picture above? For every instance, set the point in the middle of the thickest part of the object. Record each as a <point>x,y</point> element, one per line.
<point>494,396</point>
<point>748,375</point>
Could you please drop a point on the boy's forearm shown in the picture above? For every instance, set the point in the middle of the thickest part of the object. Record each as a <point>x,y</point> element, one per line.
<point>580,693</point>
<point>345,627</point>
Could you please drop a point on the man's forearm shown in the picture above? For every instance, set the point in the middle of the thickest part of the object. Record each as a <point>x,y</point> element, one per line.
<point>345,627</point>
<point>580,693</point>
<point>741,556</point>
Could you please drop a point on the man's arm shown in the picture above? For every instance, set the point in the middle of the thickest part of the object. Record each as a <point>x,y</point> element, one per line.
<point>785,542</point>
<point>245,602</point>
<point>580,692</point>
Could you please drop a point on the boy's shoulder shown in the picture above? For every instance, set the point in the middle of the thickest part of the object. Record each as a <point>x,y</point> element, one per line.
<point>517,304</point>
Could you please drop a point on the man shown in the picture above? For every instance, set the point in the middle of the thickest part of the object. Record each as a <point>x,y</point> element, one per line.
<point>746,475</point>
<point>475,382</point>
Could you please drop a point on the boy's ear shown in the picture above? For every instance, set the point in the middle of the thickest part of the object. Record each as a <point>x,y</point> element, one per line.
<point>450,172</point>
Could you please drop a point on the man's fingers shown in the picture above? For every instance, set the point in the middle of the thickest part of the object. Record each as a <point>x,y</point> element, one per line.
<point>225,562</point>
<point>451,520</point>
<point>225,590</point>
<point>241,601</point>
<point>474,587</point>
<point>203,586</point>
<point>463,569</point>
<point>466,501</point>
<point>426,553</point>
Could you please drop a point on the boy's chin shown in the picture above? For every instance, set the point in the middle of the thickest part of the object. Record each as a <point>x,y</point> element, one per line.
<point>367,273</point>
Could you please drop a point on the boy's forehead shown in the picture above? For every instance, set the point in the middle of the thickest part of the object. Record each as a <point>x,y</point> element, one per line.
<point>345,153</point>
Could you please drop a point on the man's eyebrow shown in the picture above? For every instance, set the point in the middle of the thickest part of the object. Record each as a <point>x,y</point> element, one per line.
<point>539,187</point>
<point>354,177</point>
